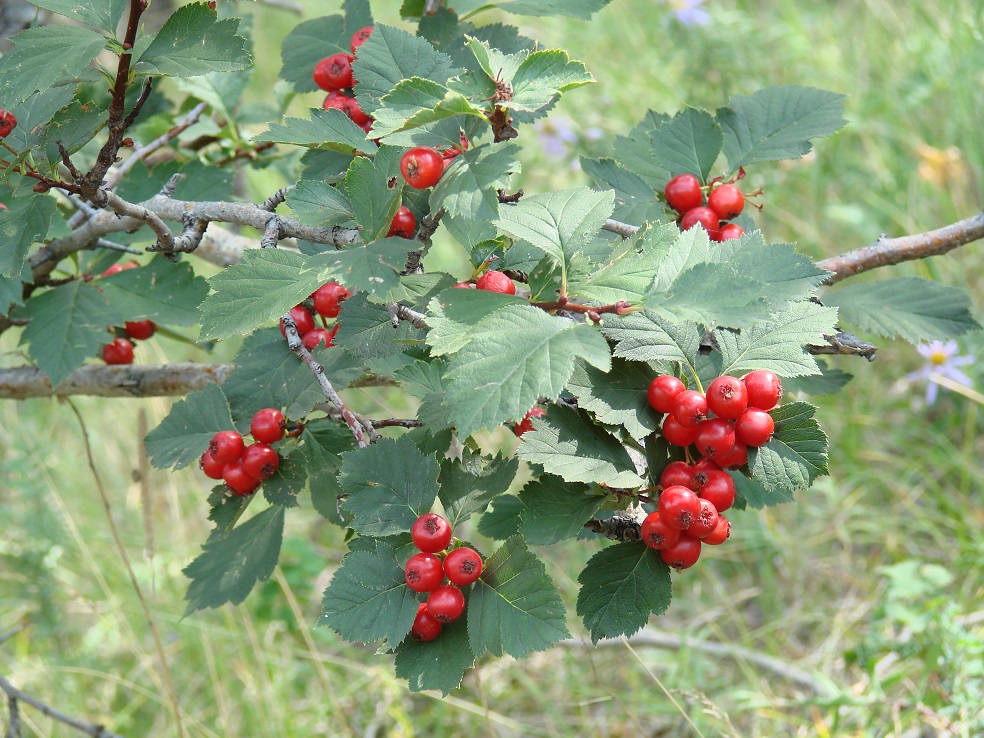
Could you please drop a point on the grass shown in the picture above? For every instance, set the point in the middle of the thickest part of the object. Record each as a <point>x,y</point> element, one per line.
<point>815,584</point>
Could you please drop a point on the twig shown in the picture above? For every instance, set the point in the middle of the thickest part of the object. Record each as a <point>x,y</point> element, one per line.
<point>14,694</point>
<point>11,633</point>
<point>845,343</point>
<point>622,229</point>
<point>335,414</point>
<point>107,199</point>
<point>623,525</point>
<point>189,239</point>
<point>277,198</point>
<point>271,234</point>
<point>103,243</point>
<point>428,226</point>
<point>398,312</point>
<point>14,731</point>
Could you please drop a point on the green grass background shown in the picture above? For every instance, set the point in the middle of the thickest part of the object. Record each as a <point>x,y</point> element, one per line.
<point>870,585</point>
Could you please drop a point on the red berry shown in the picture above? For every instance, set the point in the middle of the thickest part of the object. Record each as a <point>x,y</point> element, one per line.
<point>764,389</point>
<point>328,298</point>
<point>463,566</point>
<point>689,408</point>
<point>715,437</point>
<point>348,105</point>
<point>425,626</point>
<point>677,434</point>
<point>677,472</point>
<point>422,167</point>
<point>754,427</point>
<point>703,215</point>
<point>117,268</point>
<point>431,533</point>
<point>706,465</point>
<point>721,532</point>
<point>211,467</point>
<point>678,506</point>
<point>737,456</point>
<point>424,572</point>
<point>404,224</point>
<point>7,123</point>
<point>140,330</point>
<point>526,424</point>
<point>238,480</point>
<point>705,521</point>
<point>727,397</point>
<point>302,319</point>
<point>226,446</point>
<point>493,281</point>
<point>120,351</point>
<point>267,425</point>
<point>727,201</point>
<point>728,232</point>
<point>718,489</point>
<point>662,391</point>
<point>260,460</point>
<point>318,337</point>
<point>683,193</point>
<point>360,37</point>
<point>334,72</point>
<point>683,554</point>
<point>657,534</point>
<point>446,603</point>
<point>462,286</point>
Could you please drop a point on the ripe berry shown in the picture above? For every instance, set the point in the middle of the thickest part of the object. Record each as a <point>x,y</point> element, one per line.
<point>424,572</point>
<point>238,480</point>
<point>360,37</point>
<point>727,201</point>
<point>754,427</point>
<point>302,319</point>
<point>446,603</point>
<point>703,215</point>
<point>683,554</point>
<point>117,268</point>
<point>404,224</point>
<point>422,167</point>
<point>662,390</point>
<point>718,489</point>
<point>120,351</point>
<point>683,193</point>
<point>729,231</point>
<point>348,105</point>
<point>462,286</point>
<point>260,460</point>
<point>226,446</point>
<point>267,425</point>
<point>140,330</point>
<point>7,123</point>
<point>727,397</point>
<point>721,532</point>
<point>334,72</point>
<point>463,566</point>
<point>526,424</point>
<point>328,298</point>
<point>706,520</point>
<point>737,456</point>
<point>211,467</point>
<point>764,389</point>
<point>431,533</point>
<point>657,534</point>
<point>678,506</point>
<point>715,437</point>
<point>677,472</point>
<point>318,337</point>
<point>677,434</point>
<point>689,408</point>
<point>425,626</point>
<point>493,281</point>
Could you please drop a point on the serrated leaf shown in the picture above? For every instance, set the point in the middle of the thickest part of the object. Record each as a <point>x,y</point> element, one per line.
<point>467,188</point>
<point>788,276</point>
<point>688,144</point>
<point>313,40</point>
<point>555,510</point>
<point>542,76</point>
<point>12,290</point>
<point>755,495</point>
<point>104,14</point>
<point>830,381</point>
<point>368,598</point>
<point>286,483</point>
<point>370,268</point>
<point>635,199</point>
<point>454,315</point>
<point>566,443</point>
<point>645,336</point>
<point>161,291</point>
<point>192,42</point>
<point>319,204</point>
<point>779,344</point>
<point>416,102</point>
<point>366,330</point>
<point>326,130</point>
<point>323,442</point>
<point>797,453</point>
<point>502,521</point>
<point>374,188</point>
<point>232,563</point>
<point>389,485</point>
<point>469,486</point>
<point>34,113</point>
<point>73,127</point>
<point>514,608</point>
<point>635,151</point>
<point>43,56</point>
<point>712,294</point>
<point>628,274</point>
<point>184,434</point>
<point>225,509</point>
<point>26,221</point>
<point>416,290</point>
<point>777,123</point>
<point>518,354</point>
<point>622,586</point>
<point>910,308</point>
<point>439,664</point>
<point>583,9</point>
<point>616,397</point>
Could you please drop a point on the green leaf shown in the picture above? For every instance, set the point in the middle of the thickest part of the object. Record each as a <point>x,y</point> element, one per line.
<point>225,509</point>
<point>25,222</point>
<point>469,486</point>
<point>287,483</point>
<point>366,330</point>
<point>778,344</point>
<point>184,435</point>
<point>542,76</point>
<point>777,123</point>
<point>517,355</point>
<point>757,496</point>
<point>635,200</point>
<point>326,130</point>
<point>645,336</point>
<point>467,188</point>
<point>73,126</point>
<point>635,151</point>
<point>787,275</point>
<point>830,381</point>
<point>368,598</point>
<point>910,308</point>
<point>374,188</point>
<point>34,113</point>
<point>372,268</point>
<point>439,664</point>
<point>622,586</point>
<point>583,9</point>
<point>502,521</point>
<point>615,397</point>
<point>688,144</point>
<point>103,14</point>
<point>232,563</point>
<point>566,443</point>
<point>455,314</point>
<point>43,56</point>
<point>416,102</point>
<point>322,443</point>
<point>713,294</point>
<point>389,485</point>
<point>162,291</point>
<point>319,204</point>
<point>12,290</point>
<point>797,453</point>
<point>555,510</point>
<point>314,40</point>
<point>514,608</point>
<point>192,42</point>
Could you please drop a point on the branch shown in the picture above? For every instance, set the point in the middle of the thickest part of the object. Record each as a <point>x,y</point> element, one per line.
<point>107,199</point>
<point>128,380</point>
<point>428,226</point>
<point>623,525</point>
<point>97,731</point>
<point>277,198</point>
<point>622,229</point>
<point>845,343</point>
<point>398,312</point>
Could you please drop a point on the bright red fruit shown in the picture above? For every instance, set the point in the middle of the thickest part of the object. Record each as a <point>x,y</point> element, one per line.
<point>140,330</point>
<point>493,281</point>
<point>267,425</point>
<point>678,506</point>
<point>727,201</point>
<point>764,389</point>
<point>729,231</point>
<point>683,554</point>
<point>318,337</point>
<point>718,489</point>
<point>120,351</point>
<point>683,193</point>
<point>7,123</point>
<point>431,533</point>
<point>463,566</point>
<point>689,408</point>
<point>211,467</point>
<point>526,424</point>
<point>425,626</point>
<point>302,319</point>
<point>706,521</point>
<point>677,434</point>
<point>703,215</point>
<point>260,460</point>
<point>238,480</point>
<point>657,534</point>
<point>328,298</point>
<point>424,572</point>
<point>446,603</point>
<point>715,437</point>
<point>754,427</point>
<point>404,223</point>
<point>226,446</point>
<point>677,472</point>
<point>422,167</point>
<point>737,456</point>
<point>661,392</point>
<point>727,397</point>
<point>360,37</point>
<point>721,532</point>
<point>348,105</point>
<point>334,72</point>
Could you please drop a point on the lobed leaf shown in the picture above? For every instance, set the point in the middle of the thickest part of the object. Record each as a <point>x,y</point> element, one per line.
<point>193,42</point>
<point>555,510</point>
<point>797,453</point>
<point>184,434</point>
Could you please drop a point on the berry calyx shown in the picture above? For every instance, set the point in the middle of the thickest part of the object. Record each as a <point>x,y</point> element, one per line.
<point>721,532</point>
<point>334,72</point>
<point>718,489</point>
<point>423,572</point>
<point>211,467</point>
<point>678,506</point>
<point>7,123</point>
<point>682,193</point>
<point>404,223</point>
<point>703,215</point>
<point>715,437</point>
<point>422,167</point>
<point>267,425</point>
<point>140,330</point>
<point>302,319</point>
<point>727,201</point>
<point>425,626</point>
<point>689,408</point>
<point>360,37</point>
<point>706,520</point>
<point>238,480</point>
<point>493,281</point>
<point>226,446</point>
<point>727,397</point>
<point>662,391</point>
<point>318,337</point>
<point>431,533</point>
<point>446,603</point>
<point>463,566</point>
<point>526,424</point>
<point>120,351</point>
<point>764,389</point>
<point>328,299</point>
<point>261,461</point>
<point>677,434</point>
<point>683,554</point>
<point>657,534</point>
<point>754,427</point>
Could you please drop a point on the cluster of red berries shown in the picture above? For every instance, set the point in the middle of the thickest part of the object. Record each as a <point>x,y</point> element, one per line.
<point>120,351</point>
<point>491,281</point>
<point>7,123</point>
<point>725,201</point>
<point>426,572</point>
<point>334,75</point>
<point>422,166</point>
<point>326,301</point>
<point>244,467</point>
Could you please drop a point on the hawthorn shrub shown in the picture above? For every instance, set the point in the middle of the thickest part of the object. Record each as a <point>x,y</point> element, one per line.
<point>610,326</point>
